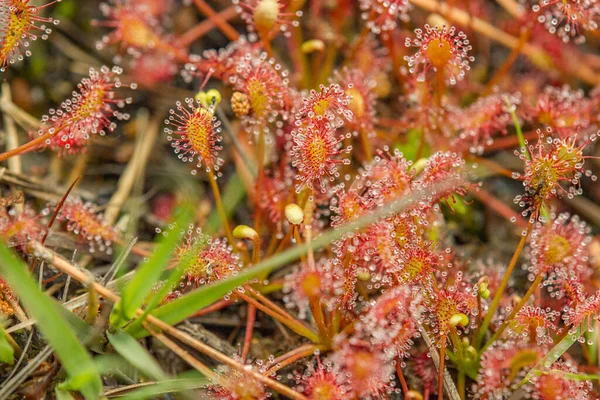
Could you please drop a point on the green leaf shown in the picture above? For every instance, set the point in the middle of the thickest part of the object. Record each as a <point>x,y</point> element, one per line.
<point>554,354</point>
<point>63,394</point>
<point>7,353</point>
<point>136,355</point>
<point>572,376</point>
<point>148,273</point>
<point>83,375</point>
<point>109,364</point>
<point>179,309</point>
<point>156,389</point>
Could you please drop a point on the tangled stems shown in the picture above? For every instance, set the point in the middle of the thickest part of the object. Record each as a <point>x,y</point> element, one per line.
<point>293,356</point>
<point>498,295</point>
<point>286,320</point>
<point>223,25</point>
<point>167,329</point>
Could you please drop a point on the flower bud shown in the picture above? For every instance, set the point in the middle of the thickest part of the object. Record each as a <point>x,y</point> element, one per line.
<point>240,104</point>
<point>294,214</point>
<point>245,232</point>
<point>311,46</point>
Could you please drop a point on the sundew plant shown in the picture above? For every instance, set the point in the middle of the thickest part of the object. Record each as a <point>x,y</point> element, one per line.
<point>299,199</point>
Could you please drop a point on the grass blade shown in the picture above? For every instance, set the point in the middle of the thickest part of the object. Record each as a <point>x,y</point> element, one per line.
<point>63,395</point>
<point>148,273</point>
<point>7,353</point>
<point>154,390</point>
<point>136,355</point>
<point>554,354</point>
<point>83,375</point>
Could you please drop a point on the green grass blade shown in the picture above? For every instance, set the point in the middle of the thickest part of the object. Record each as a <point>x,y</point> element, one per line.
<point>181,308</point>
<point>148,273</point>
<point>7,353</point>
<point>554,354</point>
<point>154,390</point>
<point>63,395</point>
<point>136,355</point>
<point>572,376</point>
<point>83,375</point>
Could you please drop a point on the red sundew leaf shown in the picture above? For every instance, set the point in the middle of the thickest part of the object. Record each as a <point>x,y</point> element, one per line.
<point>62,201</point>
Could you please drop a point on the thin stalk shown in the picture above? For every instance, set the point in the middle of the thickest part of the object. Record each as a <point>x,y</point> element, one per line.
<point>219,305</point>
<point>265,300</point>
<point>187,357</point>
<point>509,142</point>
<point>502,286</point>
<point>366,145</point>
<point>201,29</point>
<point>317,313</point>
<point>461,380</point>
<point>440,86</point>
<point>498,207</point>
<point>218,20</point>
<point>290,323</point>
<point>361,38</point>
<point>298,239</point>
<point>267,45</point>
<point>260,159</point>
<point>298,57</point>
<point>315,301</point>
<point>32,144</point>
<point>293,356</point>
<point>441,372</point>
<point>250,318</point>
<point>328,64</point>
<point>460,359</point>
<point>530,291</point>
<point>401,378</point>
<point>510,60</point>
<point>478,319</point>
<point>513,114</point>
<point>292,353</point>
<point>220,208</point>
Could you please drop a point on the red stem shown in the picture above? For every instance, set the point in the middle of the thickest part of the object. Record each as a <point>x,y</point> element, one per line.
<point>29,145</point>
<point>206,26</point>
<point>499,207</point>
<point>218,20</point>
<point>250,318</point>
